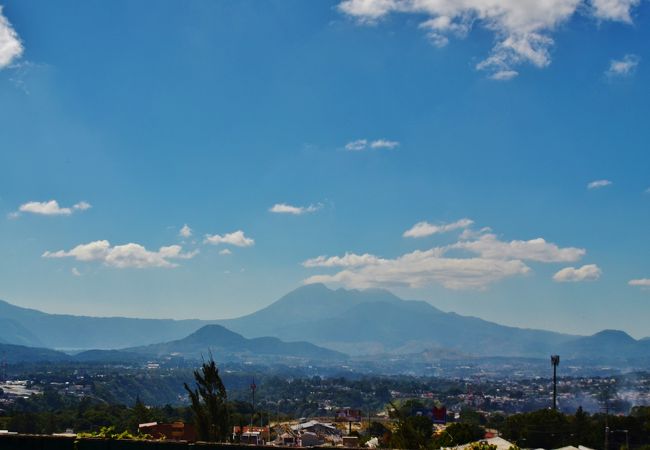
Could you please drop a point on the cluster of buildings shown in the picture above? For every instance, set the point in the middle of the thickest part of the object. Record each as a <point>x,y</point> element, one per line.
<point>308,433</point>
<point>11,390</point>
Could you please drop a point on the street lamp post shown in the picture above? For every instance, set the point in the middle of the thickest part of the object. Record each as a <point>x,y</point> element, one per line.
<point>555,361</point>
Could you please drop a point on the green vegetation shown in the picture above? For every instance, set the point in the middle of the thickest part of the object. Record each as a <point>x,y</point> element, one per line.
<point>551,429</point>
<point>110,433</point>
<point>209,403</point>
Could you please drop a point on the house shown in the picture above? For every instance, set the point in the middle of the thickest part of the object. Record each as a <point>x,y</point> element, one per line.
<point>499,442</point>
<point>247,434</point>
<point>314,426</point>
<point>251,438</point>
<point>309,439</point>
<point>176,431</point>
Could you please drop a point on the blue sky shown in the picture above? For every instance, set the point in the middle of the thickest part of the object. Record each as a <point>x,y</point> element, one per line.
<point>289,134</point>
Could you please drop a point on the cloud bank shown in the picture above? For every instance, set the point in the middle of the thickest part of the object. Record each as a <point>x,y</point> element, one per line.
<point>124,256</point>
<point>473,263</point>
<point>522,28</point>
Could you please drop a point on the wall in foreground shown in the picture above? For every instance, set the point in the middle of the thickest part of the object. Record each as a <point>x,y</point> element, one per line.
<point>41,442</point>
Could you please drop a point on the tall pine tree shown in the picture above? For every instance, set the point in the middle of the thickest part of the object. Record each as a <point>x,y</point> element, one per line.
<point>209,403</point>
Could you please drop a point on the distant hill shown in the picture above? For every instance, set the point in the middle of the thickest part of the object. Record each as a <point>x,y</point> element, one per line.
<point>19,353</point>
<point>375,321</point>
<point>12,332</point>
<point>227,345</point>
<point>609,345</point>
<point>62,331</point>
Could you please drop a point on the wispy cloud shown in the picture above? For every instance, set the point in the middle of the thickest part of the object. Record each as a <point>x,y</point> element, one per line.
<point>597,184</point>
<point>185,232</point>
<point>504,75</point>
<point>49,208</point>
<point>640,282</point>
<point>423,229</point>
<point>284,208</point>
<point>491,260</point>
<point>623,67</point>
<point>124,256</point>
<point>11,48</point>
<point>614,9</point>
<point>364,144</point>
<point>347,260</point>
<point>384,143</point>
<point>225,251</point>
<point>236,238</point>
<point>588,272</point>
<point>522,29</point>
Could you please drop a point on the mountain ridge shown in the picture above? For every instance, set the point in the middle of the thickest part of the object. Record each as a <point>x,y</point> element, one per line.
<point>230,345</point>
<point>354,322</point>
<point>62,330</point>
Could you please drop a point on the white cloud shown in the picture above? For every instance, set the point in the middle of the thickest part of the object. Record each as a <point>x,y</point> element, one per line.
<point>358,145</point>
<point>423,229</point>
<point>522,28</point>
<point>383,143</point>
<point>588,272</point>
<point>49,208</point>
<point>504,75</point>
<point>75,272</point>
<point>283,208</point>
<point>236,238</point>
<point>597,184</point>
<point>10,46</point>
<point>623,67</point>
<point>489,246</point>
<point>347,260</point>
<point>185,232</point>
<point>468,233</point>
<point>364,144</point>
<point>124,256</point>
<point>225,251</point>
<point>614,9</point>
<point>641,282</point>
<point>495,260</point>
<point>422,268</point>
<point>82,206</point>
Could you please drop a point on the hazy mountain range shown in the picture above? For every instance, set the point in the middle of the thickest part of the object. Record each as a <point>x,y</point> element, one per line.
<point>38,329</point>
<point>312,322</point>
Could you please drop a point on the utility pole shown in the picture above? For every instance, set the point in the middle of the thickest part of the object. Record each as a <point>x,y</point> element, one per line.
<point>253,387</point>
<point>555,361</point>
<point>606,424</point>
